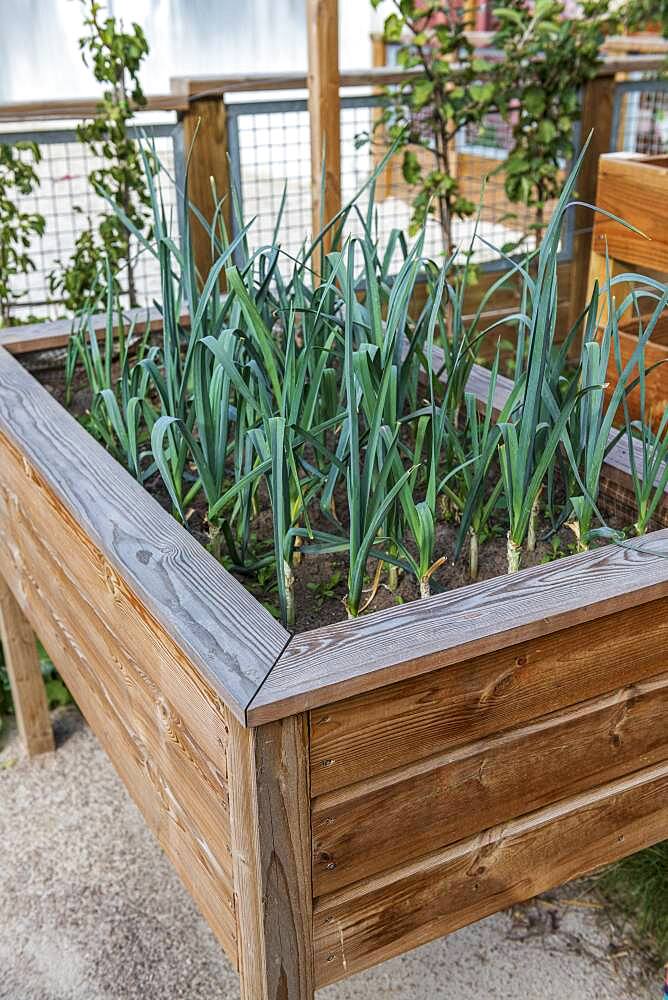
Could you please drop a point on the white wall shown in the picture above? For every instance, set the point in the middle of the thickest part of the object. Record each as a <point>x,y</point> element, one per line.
<point>39,55</point>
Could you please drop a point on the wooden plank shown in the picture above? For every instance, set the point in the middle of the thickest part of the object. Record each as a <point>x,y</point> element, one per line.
<point>56,333</point>
<point>596,119</point>
<point>185,594</point>
<point>206,86</point>
<point>329,664</point>
<point>435,802</point>
<point>322,22</point>
<point>25,676</point>
<point>391,913</point>
<point>633,187</point>
<point>269,798</point>
<point>616,482</point>
<point>164,728</point>
<point>205,140</point>
<point>378,731</point>
<point>77,107</point>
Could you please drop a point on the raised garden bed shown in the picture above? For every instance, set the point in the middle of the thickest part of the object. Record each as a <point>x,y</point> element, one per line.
<point>335,798</point>
<point>635,185</point>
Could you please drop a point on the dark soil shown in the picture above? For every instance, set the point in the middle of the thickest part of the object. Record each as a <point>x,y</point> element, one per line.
<point>320,580</point>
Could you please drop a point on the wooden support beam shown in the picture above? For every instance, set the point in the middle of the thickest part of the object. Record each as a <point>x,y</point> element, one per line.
<point>324,109</point>
<point>25,675</point>
<point>205,125</point>
<point>271,847</point>
<point>596,118</point>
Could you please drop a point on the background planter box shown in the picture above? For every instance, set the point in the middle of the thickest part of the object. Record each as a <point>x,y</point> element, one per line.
<point>338,797</point>
<point>634,187</point>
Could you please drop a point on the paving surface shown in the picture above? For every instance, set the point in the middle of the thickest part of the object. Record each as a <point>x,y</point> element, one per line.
<point>91,910</point>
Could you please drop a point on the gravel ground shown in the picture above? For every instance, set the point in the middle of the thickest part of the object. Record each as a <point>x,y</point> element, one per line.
<point>91,910</point>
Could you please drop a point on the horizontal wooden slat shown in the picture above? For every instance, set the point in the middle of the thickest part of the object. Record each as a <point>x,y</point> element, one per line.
<point>640,184</point>
<point>55,334</point>
<point>163,728</point>
<point>436,802</point>
<point>379,731</point>
<point>185,594</point>
<point>329,664</point>
<point>384,916</point>
<point>78,107</point>
<point>616,481</point>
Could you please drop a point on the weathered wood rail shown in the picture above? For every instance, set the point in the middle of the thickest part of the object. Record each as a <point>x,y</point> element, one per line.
<point>512,734</point>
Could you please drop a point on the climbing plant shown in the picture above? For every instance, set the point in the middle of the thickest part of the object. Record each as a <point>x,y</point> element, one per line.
<point>18,177</point>
<point>115,57</point>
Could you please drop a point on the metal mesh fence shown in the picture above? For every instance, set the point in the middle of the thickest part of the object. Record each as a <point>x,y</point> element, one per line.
<point>269,147</point>
<point>69,205</point>
<point>640,117</point>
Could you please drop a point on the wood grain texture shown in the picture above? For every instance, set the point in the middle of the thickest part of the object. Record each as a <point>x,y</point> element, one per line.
<point>596,120</point>
<point>163,726</point>
<point>56,333</point>
<point>435,802</point>
<point>205,141</point>
<point>25,676</point>
<point>226,635</point>
<point>324,106</point>
<point>634,187</point>
<point>330,664</point>
<point>378,731</point>
<point>271,835</point>
<point>387,915</point>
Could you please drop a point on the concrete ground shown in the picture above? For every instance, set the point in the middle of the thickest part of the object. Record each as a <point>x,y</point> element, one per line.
<point>91,910</point>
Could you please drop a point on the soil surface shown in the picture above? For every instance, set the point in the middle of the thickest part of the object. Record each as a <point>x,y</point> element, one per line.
<point>92,910</point>
<point>320,580</point>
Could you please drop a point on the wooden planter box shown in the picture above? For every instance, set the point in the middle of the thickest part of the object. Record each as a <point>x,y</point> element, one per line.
<point>634,187</point>
<point>339,797</point>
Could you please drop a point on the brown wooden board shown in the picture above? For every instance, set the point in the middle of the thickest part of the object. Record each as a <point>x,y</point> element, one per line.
<point>378,731</point>
<point>329,664</point>
<point>431,803</point>
<point>399,910</point>
<point>25,675</point>
<point>230,639</point>
<point>55,334</point>
<point>271,835</point>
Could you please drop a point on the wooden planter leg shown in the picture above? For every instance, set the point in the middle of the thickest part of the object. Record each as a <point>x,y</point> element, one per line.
<point>25,676</point>
<point>271,843</point>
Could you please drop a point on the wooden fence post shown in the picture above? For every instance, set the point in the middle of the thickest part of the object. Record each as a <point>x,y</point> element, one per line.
<point>25,675</point>
<point>205,126</point>
<point>324,109</point>
<point>271,847</point>
<point>597,112</point>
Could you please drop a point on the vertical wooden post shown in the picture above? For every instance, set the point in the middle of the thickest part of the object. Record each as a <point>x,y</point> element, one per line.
<point>271,846</point>
<point>324,109</point>
<point>205,130</point>
<point>597,111</point>
<point>25,675</point>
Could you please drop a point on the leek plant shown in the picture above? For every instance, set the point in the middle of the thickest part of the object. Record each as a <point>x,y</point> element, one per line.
<point>651,478</point>
<point>313,389</point>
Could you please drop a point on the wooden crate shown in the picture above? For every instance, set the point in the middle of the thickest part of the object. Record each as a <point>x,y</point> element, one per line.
<point>634,187</point>
<point>509,735</point>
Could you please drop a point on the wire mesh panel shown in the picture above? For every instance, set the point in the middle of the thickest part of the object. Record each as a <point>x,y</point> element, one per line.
<point>640,117</point>
<point>69,205</point>
<point>269,148</point>
<point>270,153</point>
